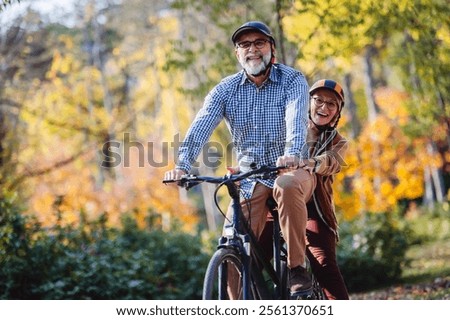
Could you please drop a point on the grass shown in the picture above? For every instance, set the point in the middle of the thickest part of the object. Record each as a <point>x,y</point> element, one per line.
<point>427,262</point>
<point>427,272</point>
<point>426,277</point>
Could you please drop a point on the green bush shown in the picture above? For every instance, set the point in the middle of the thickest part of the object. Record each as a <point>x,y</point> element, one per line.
<point>372,251</point>
<point>429,225</point>
<point>93,261</point>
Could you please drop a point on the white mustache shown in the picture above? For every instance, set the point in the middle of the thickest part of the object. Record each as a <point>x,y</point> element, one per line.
<point>251,57</point>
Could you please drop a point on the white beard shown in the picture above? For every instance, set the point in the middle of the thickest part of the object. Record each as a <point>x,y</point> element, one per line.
<point>253,69</point>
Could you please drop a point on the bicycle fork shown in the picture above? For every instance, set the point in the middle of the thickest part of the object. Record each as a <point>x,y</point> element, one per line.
<point>246,277</point>
<point>244,246</point>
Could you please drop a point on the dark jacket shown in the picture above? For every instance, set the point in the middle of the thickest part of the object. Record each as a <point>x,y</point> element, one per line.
<point>328,151</point>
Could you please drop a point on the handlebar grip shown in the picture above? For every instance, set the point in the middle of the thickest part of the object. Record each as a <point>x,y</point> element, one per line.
<point>182,183</point>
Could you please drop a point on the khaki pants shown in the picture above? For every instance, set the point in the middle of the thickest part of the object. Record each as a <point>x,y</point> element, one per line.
<point>292,191</point>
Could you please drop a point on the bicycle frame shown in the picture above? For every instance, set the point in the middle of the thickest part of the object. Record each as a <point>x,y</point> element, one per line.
<point>239,237</point>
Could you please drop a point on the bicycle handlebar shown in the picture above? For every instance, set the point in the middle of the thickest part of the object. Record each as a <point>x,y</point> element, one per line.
<point>264,172</point>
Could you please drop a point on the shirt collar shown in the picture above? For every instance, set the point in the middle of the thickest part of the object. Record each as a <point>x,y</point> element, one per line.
<point>273,75</point>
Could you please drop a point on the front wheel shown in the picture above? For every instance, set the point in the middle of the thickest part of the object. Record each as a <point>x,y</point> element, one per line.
<point>224,265</point>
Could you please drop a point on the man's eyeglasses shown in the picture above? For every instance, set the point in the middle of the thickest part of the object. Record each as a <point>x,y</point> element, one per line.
<point>331,105</point>
<point>259,44</point>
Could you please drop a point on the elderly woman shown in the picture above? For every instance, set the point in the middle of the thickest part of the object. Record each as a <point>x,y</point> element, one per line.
<point>308,186</point>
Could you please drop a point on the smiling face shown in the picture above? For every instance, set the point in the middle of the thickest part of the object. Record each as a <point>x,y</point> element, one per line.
<point>254,60</point>
<point>324,106</point>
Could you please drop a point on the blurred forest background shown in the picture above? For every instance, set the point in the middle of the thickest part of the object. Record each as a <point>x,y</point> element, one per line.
<point>95,96</point>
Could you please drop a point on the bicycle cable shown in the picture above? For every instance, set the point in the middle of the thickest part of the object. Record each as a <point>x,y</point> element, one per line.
<point>216,202</point>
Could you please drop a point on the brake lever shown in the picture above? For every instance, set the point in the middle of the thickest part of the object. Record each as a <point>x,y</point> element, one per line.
<point>190,184</point>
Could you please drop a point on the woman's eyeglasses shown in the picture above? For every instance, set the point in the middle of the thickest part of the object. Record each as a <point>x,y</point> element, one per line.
<point>259,44</point>
<point>331,105</point>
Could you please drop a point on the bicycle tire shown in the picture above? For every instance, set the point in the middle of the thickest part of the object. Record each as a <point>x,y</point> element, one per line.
<point>216,276</point>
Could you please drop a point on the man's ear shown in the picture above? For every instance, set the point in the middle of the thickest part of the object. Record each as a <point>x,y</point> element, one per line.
<point>274,53</point>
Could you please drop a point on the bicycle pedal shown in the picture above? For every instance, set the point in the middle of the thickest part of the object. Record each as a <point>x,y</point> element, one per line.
<point>304,295</point>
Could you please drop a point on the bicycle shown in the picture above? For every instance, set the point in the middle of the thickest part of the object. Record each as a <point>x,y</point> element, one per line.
<point>239,250</point>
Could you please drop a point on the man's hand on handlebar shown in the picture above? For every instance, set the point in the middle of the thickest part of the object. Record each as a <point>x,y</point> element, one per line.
<point>233,170</point>
<point>174,174</point>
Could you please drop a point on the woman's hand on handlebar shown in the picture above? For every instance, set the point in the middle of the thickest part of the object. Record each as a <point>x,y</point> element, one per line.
<point>291,163</point>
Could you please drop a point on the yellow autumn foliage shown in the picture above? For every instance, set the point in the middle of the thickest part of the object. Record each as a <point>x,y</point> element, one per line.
<point>386,166</point>
<point>139,191</point>
<point>67,114</point>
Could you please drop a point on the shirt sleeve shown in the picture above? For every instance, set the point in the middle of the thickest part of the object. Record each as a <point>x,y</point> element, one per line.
<point>297,116</point>
<point>201,129</point>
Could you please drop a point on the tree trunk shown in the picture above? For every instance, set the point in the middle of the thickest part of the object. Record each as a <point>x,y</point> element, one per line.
<point>355,128</point>
<point>97,56</point>
<point>281,49</point>
<point>372,106</point>
<point>436,180</point>
<point>433,180</point>
<point>373,111</point>
<point>351,107</point>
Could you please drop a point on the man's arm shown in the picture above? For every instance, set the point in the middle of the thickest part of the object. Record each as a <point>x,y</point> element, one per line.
<point>296,116</point>
<point>200,130</point>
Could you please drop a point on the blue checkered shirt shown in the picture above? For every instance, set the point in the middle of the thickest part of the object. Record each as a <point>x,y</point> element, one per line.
<point>265,122</point>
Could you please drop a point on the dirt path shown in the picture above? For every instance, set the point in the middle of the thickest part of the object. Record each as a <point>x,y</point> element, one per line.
<point>439,289</point>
